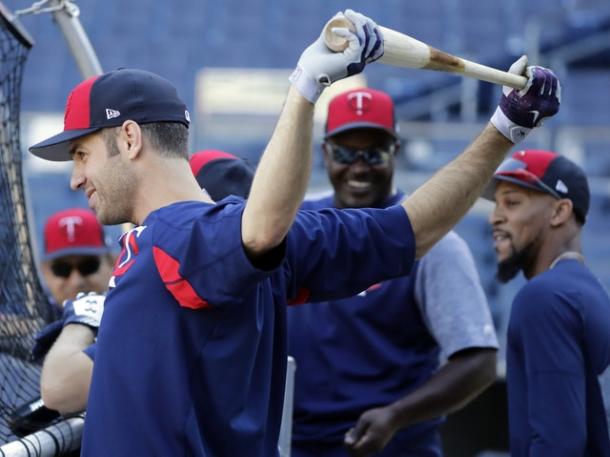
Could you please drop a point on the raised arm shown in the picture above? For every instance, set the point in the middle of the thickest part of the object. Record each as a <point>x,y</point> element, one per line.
<point>442,201</point>
<point>282,175</point>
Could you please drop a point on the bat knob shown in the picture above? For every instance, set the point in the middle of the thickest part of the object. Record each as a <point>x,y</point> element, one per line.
<point>334,42</point>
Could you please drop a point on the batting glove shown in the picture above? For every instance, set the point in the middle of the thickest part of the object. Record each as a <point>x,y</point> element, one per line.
<point>319,67</point>
<point>522,110</point>
<point>86,309</point>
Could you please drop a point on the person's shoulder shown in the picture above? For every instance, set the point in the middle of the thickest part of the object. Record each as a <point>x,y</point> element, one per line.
<point>182,214</point>
<point>451,246</point>
<point>540,296</point>
<point>540,287</point>
<point>318,201</point>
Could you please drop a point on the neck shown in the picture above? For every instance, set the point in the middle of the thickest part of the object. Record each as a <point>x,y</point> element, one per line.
<point>553,252</point>
<point>165,182</point>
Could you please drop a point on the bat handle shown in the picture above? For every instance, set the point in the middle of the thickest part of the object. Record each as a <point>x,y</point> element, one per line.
<point>334,42</point>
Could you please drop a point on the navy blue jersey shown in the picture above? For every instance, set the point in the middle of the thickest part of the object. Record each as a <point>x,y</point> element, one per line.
<point>191,352</point>
<point>558,344</point>
<point>358,353</point>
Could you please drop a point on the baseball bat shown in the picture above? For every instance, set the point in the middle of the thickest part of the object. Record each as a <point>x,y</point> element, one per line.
<point>405,51</point>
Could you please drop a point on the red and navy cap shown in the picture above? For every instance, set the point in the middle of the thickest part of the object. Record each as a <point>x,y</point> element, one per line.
<point>221,174</point>
<point>108,101</point>
<point>73,231</point>
<point>545,171</point>
<point>361,108</point>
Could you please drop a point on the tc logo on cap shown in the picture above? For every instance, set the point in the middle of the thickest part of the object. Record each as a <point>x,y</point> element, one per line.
<point>70,223</point>
<point>359,102</point>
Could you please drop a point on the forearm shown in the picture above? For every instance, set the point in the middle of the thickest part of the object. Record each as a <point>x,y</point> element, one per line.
<point>457,383</point>
<point>281,179</point>
<point>66,371</point>
<point>436,206</point>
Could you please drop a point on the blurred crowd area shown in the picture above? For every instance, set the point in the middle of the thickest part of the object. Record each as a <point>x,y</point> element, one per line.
<point>230,61</point>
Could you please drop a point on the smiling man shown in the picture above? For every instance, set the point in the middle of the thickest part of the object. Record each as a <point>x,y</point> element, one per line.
<point>399,327</point>
<point>559,330</point>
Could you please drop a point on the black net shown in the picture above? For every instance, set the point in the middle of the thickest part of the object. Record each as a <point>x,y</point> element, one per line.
<point>23,306</point>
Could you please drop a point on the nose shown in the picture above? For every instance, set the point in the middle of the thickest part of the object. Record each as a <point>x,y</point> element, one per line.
<point>496,216</point>
<point>360,166</point>
<point>76,280</point>
<point>77,179</point>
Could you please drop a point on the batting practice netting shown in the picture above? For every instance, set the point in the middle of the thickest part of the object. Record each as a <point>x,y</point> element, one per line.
<point>23,306</point>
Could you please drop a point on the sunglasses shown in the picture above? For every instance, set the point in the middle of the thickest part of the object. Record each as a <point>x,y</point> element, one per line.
<point>379,155</point>
<point>85,267</point>
<point>518,169</point>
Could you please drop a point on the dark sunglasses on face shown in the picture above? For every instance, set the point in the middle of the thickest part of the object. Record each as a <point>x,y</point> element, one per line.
<point>85,267</point>
<point>379,155</point>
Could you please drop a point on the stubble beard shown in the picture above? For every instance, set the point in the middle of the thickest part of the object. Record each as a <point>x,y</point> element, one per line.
<point>511,266</point>
<point>116,205</point>
<point>519,260</point>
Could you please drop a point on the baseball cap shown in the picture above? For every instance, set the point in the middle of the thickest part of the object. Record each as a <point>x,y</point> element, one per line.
<point>108,101</point>
<point>73,231</point>
<point>221,174</point>
<point>548,172</point>
<point>361,108</point>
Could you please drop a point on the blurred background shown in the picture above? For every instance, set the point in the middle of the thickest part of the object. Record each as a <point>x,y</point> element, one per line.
<point>230,61</point>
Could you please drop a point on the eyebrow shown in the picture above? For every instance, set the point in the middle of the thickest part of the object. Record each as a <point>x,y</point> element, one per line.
<point>72,149</point>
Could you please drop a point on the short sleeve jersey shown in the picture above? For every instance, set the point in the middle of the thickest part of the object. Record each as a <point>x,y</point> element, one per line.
<point>558,344</point>
<point>379,345</point>
<point>191,352</point>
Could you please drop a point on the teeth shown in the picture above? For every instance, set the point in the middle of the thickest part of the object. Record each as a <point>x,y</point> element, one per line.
<point>358,184</point>
<point>500,236</point>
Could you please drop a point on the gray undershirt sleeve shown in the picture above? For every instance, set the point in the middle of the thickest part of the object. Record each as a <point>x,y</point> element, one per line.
<point>451,298</point>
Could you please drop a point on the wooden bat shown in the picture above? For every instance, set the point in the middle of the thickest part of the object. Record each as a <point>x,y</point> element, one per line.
<point>405,51</point>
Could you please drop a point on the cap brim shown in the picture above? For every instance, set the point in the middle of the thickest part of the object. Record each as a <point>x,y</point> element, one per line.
<point>360,125</point>
<point>101,250</point>
<point>56,148</point>
<point>490,189</point>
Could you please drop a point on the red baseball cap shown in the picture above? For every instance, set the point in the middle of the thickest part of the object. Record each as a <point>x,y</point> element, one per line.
<point>221,174</point>
<point>361,108</point>
<point>73,231</point>
<point>108,101</point>
<point>545,171</point>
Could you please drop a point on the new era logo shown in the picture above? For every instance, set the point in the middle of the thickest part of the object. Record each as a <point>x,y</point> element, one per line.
<point>561,187</point>
<point>112,113</point>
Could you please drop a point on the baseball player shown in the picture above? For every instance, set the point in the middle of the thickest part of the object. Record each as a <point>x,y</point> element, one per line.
<point>68,366</point>
<point>368,377</point>
<point>76,255</point>
<point>558,338</point>
<point>191,356</point>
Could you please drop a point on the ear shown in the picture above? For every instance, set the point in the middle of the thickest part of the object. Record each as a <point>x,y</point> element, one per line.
<point>397,146</point>
<point>326,153</point>
<point>130,138</point>
<point>562,212</point>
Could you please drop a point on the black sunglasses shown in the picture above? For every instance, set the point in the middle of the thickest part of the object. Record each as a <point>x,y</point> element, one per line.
<point>379,155</point>
<point>85,267</point>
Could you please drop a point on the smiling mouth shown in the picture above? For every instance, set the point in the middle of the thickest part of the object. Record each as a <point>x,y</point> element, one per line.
<point>501,238</point>
<point>359,185</point>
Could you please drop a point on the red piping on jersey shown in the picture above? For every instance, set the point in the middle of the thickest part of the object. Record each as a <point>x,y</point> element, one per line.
<point>301,297</point>
<point>179,287</point>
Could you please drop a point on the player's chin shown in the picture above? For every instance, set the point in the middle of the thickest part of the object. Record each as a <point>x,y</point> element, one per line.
<point>358,199</point>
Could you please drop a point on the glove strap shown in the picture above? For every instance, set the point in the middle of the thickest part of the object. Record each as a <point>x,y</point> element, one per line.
<point>508,128</point>
<point>307,86</point>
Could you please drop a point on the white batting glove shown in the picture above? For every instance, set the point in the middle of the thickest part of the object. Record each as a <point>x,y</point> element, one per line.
<point>86,309</point>
<point>319,67</point>
<point>519,111</point>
